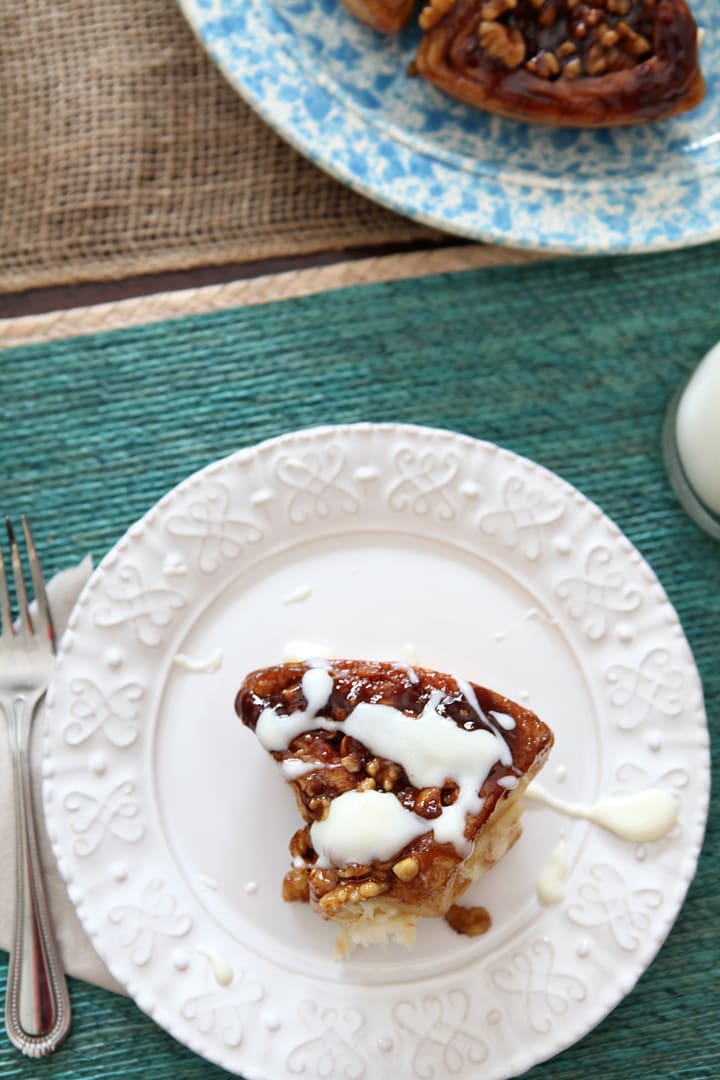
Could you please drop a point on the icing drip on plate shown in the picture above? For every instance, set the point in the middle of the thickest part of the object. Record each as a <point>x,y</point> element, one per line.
<point>645,816</point>
<point>551,882</point>
<point>202,666</point>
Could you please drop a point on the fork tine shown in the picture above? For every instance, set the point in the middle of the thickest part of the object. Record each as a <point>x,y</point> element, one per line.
<point>43,619</point>
<point>6,623</point>
<point>20,593</point>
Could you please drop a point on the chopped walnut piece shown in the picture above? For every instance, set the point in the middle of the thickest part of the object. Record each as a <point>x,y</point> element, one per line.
<point>548,16</point>
<point>354,870</point>
<point>471,921</point>
<point>296,887</point>
<point>619,60</point>
<point>607,36</point>
<point>573,68</point>
<point>502,43</point>
<point>618,7</point>
<point>433,12</point>
<point>332,901</point>
<point>406,869</point>
<point>493,9</point>
<point>429,802</point>
<point>635,43</point>
<point>300,844</point>
<point>597,61</point>
<point>319,807</point>
<point>370,888</point>
<point>389,776</point>
<point>324,880</point>
<point>544,65</point>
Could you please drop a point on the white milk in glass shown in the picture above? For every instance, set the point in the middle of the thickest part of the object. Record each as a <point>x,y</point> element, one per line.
<point>698,430</point>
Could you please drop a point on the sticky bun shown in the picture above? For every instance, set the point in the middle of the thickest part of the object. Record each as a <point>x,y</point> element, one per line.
<point>408,782</point>
<point>383,15</point>
<point>572,63</point>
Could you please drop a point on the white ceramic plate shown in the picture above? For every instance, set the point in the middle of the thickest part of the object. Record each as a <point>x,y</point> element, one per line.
<point>170,824</point>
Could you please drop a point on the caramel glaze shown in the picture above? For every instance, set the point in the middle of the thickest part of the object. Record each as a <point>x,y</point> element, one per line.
<point>663,83</point>
<point>387,16</point>
<point>347,764</point>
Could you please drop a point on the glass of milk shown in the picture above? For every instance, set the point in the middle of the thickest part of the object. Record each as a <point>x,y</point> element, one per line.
<point>691,443</point>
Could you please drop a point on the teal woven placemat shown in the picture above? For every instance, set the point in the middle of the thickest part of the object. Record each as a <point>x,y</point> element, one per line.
<point>570,363</point>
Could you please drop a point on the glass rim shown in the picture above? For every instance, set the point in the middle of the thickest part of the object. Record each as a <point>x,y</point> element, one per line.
<point>692,504</point>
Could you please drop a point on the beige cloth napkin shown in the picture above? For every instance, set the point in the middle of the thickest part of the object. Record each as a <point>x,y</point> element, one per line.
<point>78,954</point>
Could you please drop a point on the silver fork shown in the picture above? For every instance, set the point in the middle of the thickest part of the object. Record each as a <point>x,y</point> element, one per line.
<point>37,1004</point>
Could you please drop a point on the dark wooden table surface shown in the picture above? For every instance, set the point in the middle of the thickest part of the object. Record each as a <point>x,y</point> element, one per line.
<point>62,297</point>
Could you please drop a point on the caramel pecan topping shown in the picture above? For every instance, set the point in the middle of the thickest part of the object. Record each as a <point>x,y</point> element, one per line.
<point>599,36</point>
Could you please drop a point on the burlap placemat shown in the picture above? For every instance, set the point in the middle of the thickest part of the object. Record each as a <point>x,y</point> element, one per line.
<point>124,151</point>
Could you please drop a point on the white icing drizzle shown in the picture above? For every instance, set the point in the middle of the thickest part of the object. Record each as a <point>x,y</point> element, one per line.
<point>471,697</point>
<point>317,685</point>
<point>294,768</point>
<point>507,723</point>
<point>551,882</point>
<point>221,968</point>
<point>411,673</point>
<point>362,826</point>
<point>645,816</point>
<point>298,595</point>
<point>509,782</point>
<point>295,652</point>
<point>430,747</point>
<point>277,732</point>
<point>535,613</point>
<point>174,565</point>
<point>201,667</point>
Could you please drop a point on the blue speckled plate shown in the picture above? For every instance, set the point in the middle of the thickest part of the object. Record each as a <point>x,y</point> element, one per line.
<point>340,94</point>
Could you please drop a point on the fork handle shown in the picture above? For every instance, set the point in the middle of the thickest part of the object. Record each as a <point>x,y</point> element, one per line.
<point>37,1004</point>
